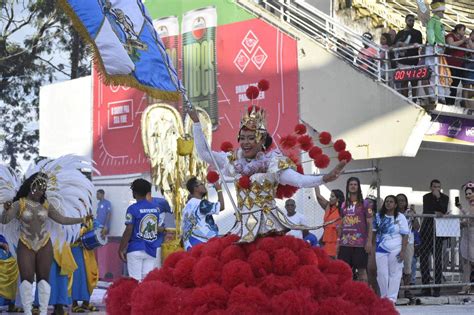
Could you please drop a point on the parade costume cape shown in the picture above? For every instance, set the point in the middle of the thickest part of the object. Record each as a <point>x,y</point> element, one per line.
<point>69,192</point>
<point>251,271</point>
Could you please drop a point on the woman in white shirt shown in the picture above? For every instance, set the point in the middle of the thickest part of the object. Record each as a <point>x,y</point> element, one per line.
<point>391,238</point>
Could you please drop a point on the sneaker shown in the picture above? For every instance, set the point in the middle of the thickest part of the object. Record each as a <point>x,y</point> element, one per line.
<point>408,294</point>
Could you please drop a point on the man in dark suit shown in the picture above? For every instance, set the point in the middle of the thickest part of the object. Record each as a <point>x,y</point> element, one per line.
<point>436,203</point>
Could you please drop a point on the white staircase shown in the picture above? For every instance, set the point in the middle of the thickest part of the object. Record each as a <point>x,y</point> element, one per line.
<point>335,94</point>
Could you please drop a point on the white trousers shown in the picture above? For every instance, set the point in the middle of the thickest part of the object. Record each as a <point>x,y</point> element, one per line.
<point>139,263</point>
<point>389,274</point>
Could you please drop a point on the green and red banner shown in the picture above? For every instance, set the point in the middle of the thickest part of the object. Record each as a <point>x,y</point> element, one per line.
<point>219,50</point>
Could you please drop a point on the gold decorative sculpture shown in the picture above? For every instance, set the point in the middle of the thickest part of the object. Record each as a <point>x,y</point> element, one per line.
<point>168,144</point>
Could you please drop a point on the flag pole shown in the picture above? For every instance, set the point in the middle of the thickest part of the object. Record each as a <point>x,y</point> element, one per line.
<point>189,106</point>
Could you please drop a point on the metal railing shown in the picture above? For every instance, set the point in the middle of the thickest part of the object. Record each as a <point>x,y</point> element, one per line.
<point>440,250</point>
<point>374,60</point>
<point>449,82</point>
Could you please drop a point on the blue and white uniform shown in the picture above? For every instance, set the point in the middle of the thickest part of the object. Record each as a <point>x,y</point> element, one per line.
<point>145,240</point>
<point>198,223</point>
<point>389,235</point>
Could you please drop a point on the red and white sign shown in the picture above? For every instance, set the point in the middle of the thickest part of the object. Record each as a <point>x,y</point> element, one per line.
<point>247,52</point>
<point>118,145</point>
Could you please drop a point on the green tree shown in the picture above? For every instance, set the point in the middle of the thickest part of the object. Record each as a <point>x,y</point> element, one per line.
<point>37,46</point>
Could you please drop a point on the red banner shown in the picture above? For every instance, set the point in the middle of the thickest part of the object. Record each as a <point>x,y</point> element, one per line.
<point>118,145</point>
<point>245,53</point>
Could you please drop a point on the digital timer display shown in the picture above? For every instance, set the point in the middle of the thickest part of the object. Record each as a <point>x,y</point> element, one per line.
<point>409,74</point>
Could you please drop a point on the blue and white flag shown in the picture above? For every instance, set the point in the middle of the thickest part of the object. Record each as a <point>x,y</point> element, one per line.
<point>126,47</point>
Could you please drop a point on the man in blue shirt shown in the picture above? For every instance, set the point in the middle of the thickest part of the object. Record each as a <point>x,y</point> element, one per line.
<point>104,212</point>
<point>141,238</point>
<point>168,220</point>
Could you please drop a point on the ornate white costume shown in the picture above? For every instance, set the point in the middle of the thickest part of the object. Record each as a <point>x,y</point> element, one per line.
<point>258,214</point>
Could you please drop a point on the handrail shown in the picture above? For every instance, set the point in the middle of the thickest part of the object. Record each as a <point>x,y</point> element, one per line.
<point>373,60</point>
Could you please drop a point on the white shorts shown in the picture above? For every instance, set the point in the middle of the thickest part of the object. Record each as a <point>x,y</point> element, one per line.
<point>139,263</point>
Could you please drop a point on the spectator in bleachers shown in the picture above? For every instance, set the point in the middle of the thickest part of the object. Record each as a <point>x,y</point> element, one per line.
<point>435,35</point>
<point>391,238</point>
<point>468,82</point>
<point>413,225</point>
<point>409,36</point>
<point>345,50</point>
<point>456,58</point>
<point>434,202</point>
<point>386,55</point>
<point>367,55</point>
<point>332,213</point>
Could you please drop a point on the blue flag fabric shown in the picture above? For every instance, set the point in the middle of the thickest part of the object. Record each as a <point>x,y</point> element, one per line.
<point>127,48</point>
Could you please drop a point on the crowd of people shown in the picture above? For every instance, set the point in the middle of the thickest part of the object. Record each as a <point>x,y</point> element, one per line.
<point>451,52</point>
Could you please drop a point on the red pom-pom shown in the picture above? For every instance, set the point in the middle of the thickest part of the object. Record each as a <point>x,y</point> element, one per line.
<point>288,142</point>
<point>213,248</point>
<point>152,294</point>
<point>295,302</point>
<point>118,298</point>
<point>284,262</point>
<point>344,156</point>
<point>300,129</point>
<point>206,271</point>
<point>232,252</point>
<point>163,274</point>
<point>322,161</point>
<point>235,273</point>
<point>299,168</point>
<point>260,263</point>
<point>212,177</point>
<point>325,137</point>
<point>315,151</point>
<point>305,142</point>
<point>250,282</point>
<point>173,259</point>
<point>338,272</point>
<point>308,257</point>
<point>249,296</point>
<point>212,296</point>
<point>226,146</point>
<point>273,285</point>
<point>244,182</point>
<point>339,145</point>
<point>252,92</point>
<point>285,191</point>
<point>253,107</point>
<point>183,272</point>
<point>263,85</point>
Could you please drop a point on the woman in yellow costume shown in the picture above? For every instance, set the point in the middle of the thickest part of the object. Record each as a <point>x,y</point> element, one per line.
<point>43,212</point>
<point>8,277</point>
